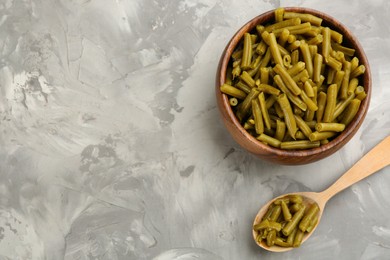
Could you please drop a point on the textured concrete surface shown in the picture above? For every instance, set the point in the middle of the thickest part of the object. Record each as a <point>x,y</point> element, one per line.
<point>111,145</point>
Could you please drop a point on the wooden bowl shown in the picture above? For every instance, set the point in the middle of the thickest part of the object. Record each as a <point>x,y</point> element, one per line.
<point>291,157</point>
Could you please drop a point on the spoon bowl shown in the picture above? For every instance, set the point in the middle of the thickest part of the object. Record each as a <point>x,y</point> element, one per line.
<point>372,162</point>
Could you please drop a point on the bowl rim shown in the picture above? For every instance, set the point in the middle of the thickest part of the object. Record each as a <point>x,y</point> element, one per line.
<point>335,143</point>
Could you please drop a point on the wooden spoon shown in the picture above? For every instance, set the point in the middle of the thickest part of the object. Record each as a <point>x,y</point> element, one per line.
<point>373,161</point>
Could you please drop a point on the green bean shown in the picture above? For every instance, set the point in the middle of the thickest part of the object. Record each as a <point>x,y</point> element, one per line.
<point>295,29</point>
<point>287,61</point>
<point>270,39</point>
<point>279,14</point>
<point>283,37</point>
<point>255,63</point>
<point>311,212</point>
<point>358,71</point>
<point>277,210</point>
<point>338,78</point>
<point>294,46</point>
<point>233,101</point>
<point>269,140</point>
<point>296,68</point>
<point>244,87</point>
<point>283,51</point>
<point>247,79</point>
<point>361,95</point>
<point>353,83</point>
<point>336,36</point>
<point>283,24</point>
<point>261,48</point>
<point>324,141</point>
<point>295,207</point>
<point>331,98</point>
<point>351,111</point>
<point>267,224</point>
<point>271,238</point>
<point>290,226</point>
<point>246,104</point>
<point>299,145</point>
<point>247,52</point>
<point>313,49</point>
<point>301,75</point>
<point>291,38</point>
<point>288,114</point>
<point>347,51</point>
<point>354,63</point>
<point>288,81</point>
<point>286,212</point>
<point>268,89</point>
<point>260,29</point>
<point>317,64</point>
<point>331,75</point>
<point>228,79</point>
<point>237,54</point>
<point>304,17</point>
<point>298,238</point>
<point>264,110</point>
<point>290,238</point>
<point>333,63</point>
<point>315,40</point>
<point>264,75</point>
<point>326,43</point>
<point>313,223</point>
<point>270,101</point>
<point>342,105</point>
<point>300,136</point>
<point>318,136</point>
<point>309,116</point>
<point>266,58</point>
<point>295,198</point>
<point>232,91</point>
<point>303,126</point>
<point>267,215</point>
<point>280,242</point>
<point>308,101</point>
<point>258,117</point>
<point>345,83</point>
<point>294,99</point>
<point>236,71</point>
<point>280,130</point>
<point>294,57</point>
<point>332,127</point>
<point>321,102</point>
<point>279,201</point>
<point>278,110</point>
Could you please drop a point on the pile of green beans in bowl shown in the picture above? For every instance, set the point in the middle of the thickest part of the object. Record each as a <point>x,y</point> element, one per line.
<point>292,84</point>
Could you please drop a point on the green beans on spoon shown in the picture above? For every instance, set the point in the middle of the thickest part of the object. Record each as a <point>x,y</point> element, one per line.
<point>289,220</point>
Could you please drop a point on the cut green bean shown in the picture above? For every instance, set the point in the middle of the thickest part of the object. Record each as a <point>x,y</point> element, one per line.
<point>303,126</point>
<point>290,226</point>
<point>358,71</point>
<point>270,39</point>
<point>244,87</point>
<point>317,64</point>
<point>288,114</point>
<point>345,83</point>
<point>280,130</point>
<point>351,111</point>
<point>233,101</point>
<point>353,83</point>
<point>269,140</point>
<point>264,110</point>
<point>318,136</point>
<point>294,99</point>
<point>299,145</point>
<point>314,20</point>
<point>288,81</point>
<point>258,117</point>
<point>247,52</point>
<point>332,127</point>
<point>232,91</point>
<point>331,98</point>
<point>326,43</point>
<point>298,238</point>
<point>268,89</point>
<point>309,215</point>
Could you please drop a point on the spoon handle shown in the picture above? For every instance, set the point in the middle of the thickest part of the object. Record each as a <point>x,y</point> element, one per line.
<point>373,161</point>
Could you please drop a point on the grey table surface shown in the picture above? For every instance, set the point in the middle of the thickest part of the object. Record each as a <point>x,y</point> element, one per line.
<point>112,146</point>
